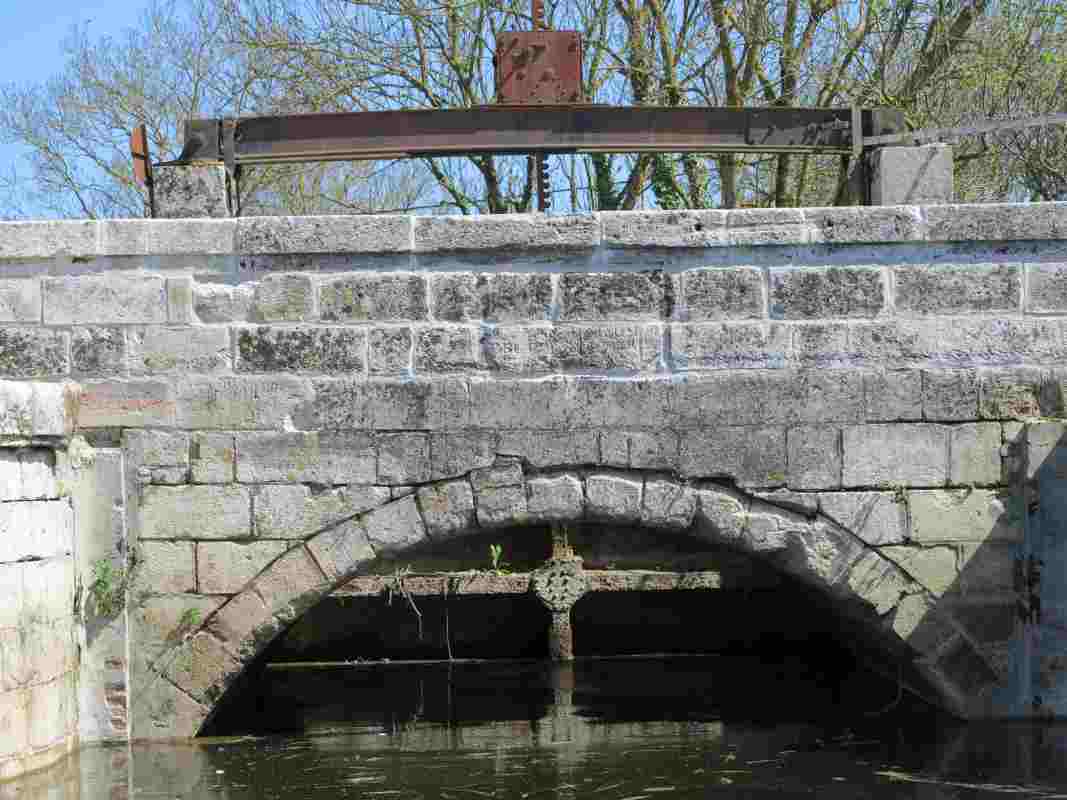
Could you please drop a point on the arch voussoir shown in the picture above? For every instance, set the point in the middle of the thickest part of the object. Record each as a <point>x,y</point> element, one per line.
<point>809,547</point>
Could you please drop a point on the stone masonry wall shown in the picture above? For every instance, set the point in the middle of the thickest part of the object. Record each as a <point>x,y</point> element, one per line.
<point>38,620</point>
<point>857,380</point>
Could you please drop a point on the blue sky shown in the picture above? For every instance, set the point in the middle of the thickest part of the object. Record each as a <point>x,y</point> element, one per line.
<point>32,33</point>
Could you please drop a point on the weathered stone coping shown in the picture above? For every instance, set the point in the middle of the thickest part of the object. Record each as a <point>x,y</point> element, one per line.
<point>394,234</point>
<point>489,583</point>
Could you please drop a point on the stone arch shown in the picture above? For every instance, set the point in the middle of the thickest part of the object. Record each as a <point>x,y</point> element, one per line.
<point>892,609</point>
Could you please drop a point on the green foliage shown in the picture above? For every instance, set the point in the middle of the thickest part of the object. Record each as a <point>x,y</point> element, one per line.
<point>108,588</point>
<point>496,563</point>
<point>189,618</point>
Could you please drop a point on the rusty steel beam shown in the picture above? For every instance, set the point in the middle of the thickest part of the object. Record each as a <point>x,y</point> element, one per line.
<point>519,130</point>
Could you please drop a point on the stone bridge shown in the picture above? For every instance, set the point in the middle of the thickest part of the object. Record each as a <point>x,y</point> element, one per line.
<point>221,422</point>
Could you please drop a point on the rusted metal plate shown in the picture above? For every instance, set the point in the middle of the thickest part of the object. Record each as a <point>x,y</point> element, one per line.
<point>518,129</point>
<point>142,162</point>
<point>539,67</point>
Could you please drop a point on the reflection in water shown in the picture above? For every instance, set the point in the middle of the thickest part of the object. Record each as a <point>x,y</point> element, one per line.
<point>636,729</point>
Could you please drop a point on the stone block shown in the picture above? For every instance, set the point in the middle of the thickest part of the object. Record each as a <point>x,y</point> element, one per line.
<point>554,497</point>
<point>396,527</point>
<point>667,504</point>
<point>508,232</point>
<point>289,587</point>
<point>196,512</point>
<point>212,402</point>
<point>327,458</point>
<point>547,403</point>
<point>878,518</point>
<point>325,234</point>
<point>814,457</point>
<point>893,396</point>
<point>933,567</point>
<point>1013,393</point>
<point>98,351</point>
<point>156,448</point>
<point>34,353</point>
<point>456,296</point>
<point>1046,287</point>
<point>373,297</point>
<point>164,568</point>
<point>243,622</point>
<point>664,229</point>
<point>165,711</point>
<point>203,668</point>
<point>821,293</point>
<point>20,300</point>
<point>868,224</point>
<point>45,239</point>
<point>768,226</point>
<point>614,403</point>
<point>950,395</point>
<point>219,303</point>
<point>609,347</point>
<point>975,454</point>
<point>35,529</point>
<point>403,458</point>
<point>957,288</point>
<point>964,515</point>
<point>640,449</point>
<point>300,349</point>
<point>37,409</point>
<point>181,192</point>
<point>226,567</point>
<point>293,511</point>
<point>717,294</point>
<point>905,454</point>
<point>879,582</point>
<point>158,623</point>
<point>614,496</point>
<point>111,299</point>
<point>36,475</point>
<point>133,404</point>
<point>599,296</point>
<point>918,175</point>
<point>179,350</point>
<point>543,449</point>
<point>515,296</point>
<point>736,345</point>
<point>721,515</point>
<point>438,404</point>
<point>389,351</point>
<point>283,298</point>
<point>751,456</point>
<point>180,292</point>
<point>455,454</point>
<point>447,508</point>
<point>987,569</point>
<point>992,222</point>
<point>342,550</point>
<point>501,506</point>
<point>213,457</point>
<point>821,345</point>
<point>446,349</point>
<point>503,472</point>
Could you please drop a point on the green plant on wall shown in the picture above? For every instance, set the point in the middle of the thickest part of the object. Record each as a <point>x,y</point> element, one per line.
<point>496,564</point>
<point>108,588</point>
<point>190,618</point>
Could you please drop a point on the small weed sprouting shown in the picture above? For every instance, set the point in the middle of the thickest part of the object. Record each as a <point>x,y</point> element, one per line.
<point>496,564</point>
<point>108,588</point>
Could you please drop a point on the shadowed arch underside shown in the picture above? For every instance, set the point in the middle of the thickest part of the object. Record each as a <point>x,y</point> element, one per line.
<point>894,612</point>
